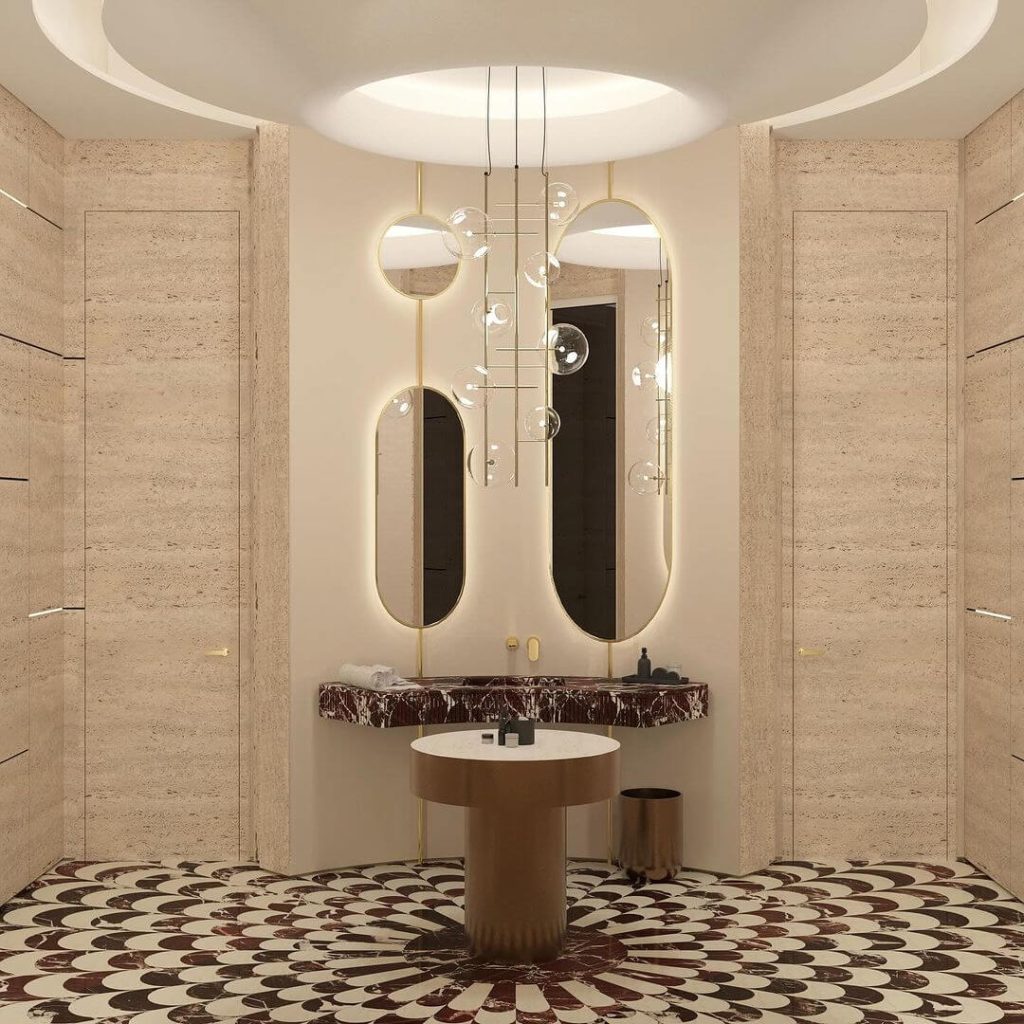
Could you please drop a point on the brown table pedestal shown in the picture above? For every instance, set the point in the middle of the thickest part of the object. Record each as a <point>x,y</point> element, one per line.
<point>515,800</point>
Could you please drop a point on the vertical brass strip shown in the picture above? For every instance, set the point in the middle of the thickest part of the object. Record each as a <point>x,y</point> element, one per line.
<point>611,179</point>
<point>420,811</point>
<point>419,342</point>
<point>609,825</point>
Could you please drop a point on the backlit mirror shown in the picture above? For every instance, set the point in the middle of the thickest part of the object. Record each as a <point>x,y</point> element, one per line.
<point>610,487</point>
<point>420,514</point>
<point>414,259</point>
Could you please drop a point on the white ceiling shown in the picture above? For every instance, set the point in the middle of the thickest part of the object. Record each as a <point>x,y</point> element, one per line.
<point>294,61</point>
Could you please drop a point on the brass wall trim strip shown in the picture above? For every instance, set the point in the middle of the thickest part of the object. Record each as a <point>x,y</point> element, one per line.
<point>990,614</point>
<point>45,611</point>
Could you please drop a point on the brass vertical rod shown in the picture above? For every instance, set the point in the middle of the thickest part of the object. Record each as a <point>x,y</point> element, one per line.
<point>419,342</point>
<point>609,823</point>
<point>609,827</point>
<point>515,271</point>
<point>419,187</point>
<point>420,813</point>
<point>547,276</point>
<point>487,274</point>
<point>611,179</point>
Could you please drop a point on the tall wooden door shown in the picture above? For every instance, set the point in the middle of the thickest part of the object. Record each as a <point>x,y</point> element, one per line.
<point>162,534</point>
<point>870,538</point>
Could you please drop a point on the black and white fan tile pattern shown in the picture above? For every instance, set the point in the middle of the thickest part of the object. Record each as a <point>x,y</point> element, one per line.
<point>210,943</point>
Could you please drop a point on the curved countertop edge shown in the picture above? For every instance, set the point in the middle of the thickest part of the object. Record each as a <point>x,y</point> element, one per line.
<point>584,702</point>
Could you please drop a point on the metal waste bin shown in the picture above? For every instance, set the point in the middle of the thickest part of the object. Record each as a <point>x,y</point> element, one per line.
<point>651,833</point>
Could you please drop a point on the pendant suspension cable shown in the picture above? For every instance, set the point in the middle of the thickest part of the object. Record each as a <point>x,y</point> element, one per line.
<point>544,121</point>
<point>487,121</point>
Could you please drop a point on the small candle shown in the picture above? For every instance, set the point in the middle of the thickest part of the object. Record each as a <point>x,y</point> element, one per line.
<point>512,739</point>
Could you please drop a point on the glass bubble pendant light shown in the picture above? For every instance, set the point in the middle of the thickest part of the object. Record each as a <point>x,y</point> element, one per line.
<point>644,477</point>
<point>470,387</point>
<point>467,233</point>
<point>568,349</point>
<point>495,316</point>
<point>541,269</point>
<point>562,203</point>
<point>492,464</point>
<point>542,423</point>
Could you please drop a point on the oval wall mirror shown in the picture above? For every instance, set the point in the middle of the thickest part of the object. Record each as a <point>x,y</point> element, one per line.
<point>421,549</point>
<point>611,506</point>
<point>413,257</point>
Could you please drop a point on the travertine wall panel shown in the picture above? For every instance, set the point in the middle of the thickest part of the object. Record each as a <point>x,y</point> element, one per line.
<point>869,499</point>
<point>74,482</point>
<point>31,569</point>
<point>987,481</point>
<point>987,159</point>
<point>1017,825</point>
<point>870,532</point>
<point>124,179</point>
<point>14,147</point>
<point>15,860</point>
<point>14,409</point>
<point>987,762</point>
<point>46,513</point>
<point>14,608</point>
<point>269,593</point>
<point>162,573</point>
<point>46,741</point>
<point>994,260</point>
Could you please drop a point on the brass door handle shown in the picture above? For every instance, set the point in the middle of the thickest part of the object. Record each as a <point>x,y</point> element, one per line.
<point>220,652</point>
<point>810,652</point>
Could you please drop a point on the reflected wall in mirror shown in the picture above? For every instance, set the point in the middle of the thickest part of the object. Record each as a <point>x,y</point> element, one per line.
<point>414,259</point>
<point>610,496</point>
<point>420,506</point>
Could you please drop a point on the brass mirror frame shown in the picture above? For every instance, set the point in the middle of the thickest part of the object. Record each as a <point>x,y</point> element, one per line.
<point>380,262</point>
<point>376,508</point>
<point>669,494</point>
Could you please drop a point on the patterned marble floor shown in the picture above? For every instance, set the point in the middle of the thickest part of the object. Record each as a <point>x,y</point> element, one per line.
<point>198,943</point>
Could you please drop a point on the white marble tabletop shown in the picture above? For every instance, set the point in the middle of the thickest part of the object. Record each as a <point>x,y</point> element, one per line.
<point>550,745</point>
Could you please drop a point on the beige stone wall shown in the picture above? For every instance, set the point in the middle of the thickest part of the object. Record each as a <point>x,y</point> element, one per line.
<point>31,571</point>
<point>993,502</point>
<point>157,312</point>
<point>867,326</point>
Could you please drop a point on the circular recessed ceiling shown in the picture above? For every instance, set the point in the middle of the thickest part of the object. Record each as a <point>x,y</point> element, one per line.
<point>441,116</point>
<point>656,73</point>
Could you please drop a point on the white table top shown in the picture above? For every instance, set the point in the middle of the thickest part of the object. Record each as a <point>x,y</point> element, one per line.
<point>550,745</point>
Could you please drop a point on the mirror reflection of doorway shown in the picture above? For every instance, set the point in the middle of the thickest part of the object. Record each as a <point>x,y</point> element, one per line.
<point>584,477</point>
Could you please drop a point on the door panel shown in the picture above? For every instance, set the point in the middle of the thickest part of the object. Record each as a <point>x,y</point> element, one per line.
<point>869,533</point>
<point>162,520</point>
<point>14,688</point>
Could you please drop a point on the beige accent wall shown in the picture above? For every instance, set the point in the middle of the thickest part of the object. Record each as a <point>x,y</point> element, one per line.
<point>867,324</point>
<point>157,257</point>
<point>31,528</point>
<point>352,347</point>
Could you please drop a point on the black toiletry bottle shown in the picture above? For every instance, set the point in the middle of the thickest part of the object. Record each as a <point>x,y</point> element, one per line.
<point>643,666</point>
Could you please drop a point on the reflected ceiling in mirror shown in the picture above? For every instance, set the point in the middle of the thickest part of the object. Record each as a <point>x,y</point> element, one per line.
<point>611,507</point>
<point>414,259</point>
<point>420,506</point>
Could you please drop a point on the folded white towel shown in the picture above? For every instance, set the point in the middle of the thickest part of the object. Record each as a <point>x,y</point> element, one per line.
<point>372,677</point>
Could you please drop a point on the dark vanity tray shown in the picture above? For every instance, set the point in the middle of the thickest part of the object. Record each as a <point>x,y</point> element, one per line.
<point>572,700</point>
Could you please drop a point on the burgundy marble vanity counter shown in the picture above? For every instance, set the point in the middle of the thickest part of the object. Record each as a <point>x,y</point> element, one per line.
<point>570,700</point>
